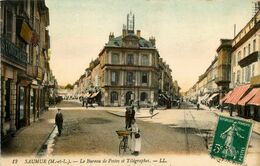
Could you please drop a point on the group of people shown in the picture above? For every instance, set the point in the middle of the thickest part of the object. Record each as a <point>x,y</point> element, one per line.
<point>131,125</point>
<point>86,101</point>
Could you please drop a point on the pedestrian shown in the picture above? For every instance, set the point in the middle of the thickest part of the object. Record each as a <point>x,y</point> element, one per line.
<point>83,101</point>
<point>86,102</point>
<point>135,139</point>
<point>132,114</point>
<point>137,106</point>
<point>198,106</point>
<point>127,118</point>
<point>210,105</point>
<point>59,121</point>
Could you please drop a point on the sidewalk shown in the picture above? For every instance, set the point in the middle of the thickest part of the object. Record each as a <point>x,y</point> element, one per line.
<point>256,124</point>
<point>29,139</point>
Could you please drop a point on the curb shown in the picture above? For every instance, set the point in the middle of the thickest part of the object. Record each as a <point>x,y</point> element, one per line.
<point>44,140</point>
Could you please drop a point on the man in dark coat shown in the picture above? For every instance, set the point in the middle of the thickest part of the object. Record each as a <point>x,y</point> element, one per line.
<point>127,118</point>
<point>132,114</point>
<point>59,121</point>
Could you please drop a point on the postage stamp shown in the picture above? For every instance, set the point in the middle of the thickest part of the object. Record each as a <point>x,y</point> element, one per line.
<point>231,139</point>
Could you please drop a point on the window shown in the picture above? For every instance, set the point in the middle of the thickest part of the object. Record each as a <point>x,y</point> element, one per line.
<point>234,60</point>
<point>143,96</point>
<point>247,73</point>
<point>238,57</point>
<point>253,70</point>
<point>144,78</point>
<point>9,24</point>
<point>243,79</point>
<point>254,44</point>
<point>115,58</point>
<point>249,51</point>
<point>130,59</point>
<point>238,76</point>
<point>145,60</point>
<point>114,78</point>
<point>130,78</point>
<point>244,51</point>
<point>233,77</point>
<point>113,97</point>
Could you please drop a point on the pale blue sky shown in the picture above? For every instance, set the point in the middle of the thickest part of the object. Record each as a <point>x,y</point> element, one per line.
<point>187,32</point>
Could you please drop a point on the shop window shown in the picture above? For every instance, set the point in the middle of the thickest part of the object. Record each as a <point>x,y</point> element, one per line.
<point>8,100</point>
<point>113,97</point>
<point>143,96</point>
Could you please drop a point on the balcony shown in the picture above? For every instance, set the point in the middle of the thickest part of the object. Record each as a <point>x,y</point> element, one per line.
<point>13,53</point>
<point>251,58</point>
<point>222,80</point>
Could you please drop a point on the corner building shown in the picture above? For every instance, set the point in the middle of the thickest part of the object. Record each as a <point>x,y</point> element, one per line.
<point>129,68</point>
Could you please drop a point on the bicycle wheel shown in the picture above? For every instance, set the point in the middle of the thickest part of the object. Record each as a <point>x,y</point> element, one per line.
<point>121,147</point>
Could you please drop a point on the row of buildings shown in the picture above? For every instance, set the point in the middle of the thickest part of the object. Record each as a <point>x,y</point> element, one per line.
<point>26,78</point>
<point>128,67</point>
<point>233,77</point>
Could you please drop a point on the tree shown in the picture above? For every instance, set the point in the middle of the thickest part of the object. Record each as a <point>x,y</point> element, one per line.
<point>68,86</point>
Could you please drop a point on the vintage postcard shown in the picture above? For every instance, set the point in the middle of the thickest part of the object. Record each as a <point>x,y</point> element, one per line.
<point>130,82</point>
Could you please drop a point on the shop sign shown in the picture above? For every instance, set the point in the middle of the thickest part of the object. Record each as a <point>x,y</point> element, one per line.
<point>26,32</point>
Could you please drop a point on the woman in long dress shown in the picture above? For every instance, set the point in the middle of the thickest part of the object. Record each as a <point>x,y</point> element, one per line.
<point>136,139</point>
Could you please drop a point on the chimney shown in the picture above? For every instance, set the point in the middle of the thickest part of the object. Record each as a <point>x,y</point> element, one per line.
<point>152,40</point>
<point>124,32</point>
<point>138,33</point>
<point>111,35</point>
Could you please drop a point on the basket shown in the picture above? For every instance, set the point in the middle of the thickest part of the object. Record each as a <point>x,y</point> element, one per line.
<point>122,133</point>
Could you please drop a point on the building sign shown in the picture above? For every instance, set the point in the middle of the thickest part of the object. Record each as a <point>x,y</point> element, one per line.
<point>26,32</point>
<point>231,139</point>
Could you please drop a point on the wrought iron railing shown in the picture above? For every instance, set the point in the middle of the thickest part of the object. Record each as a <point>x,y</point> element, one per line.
<point>12,52</point>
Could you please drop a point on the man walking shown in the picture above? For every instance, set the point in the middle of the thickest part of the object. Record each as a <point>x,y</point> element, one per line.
<point>59,121</point>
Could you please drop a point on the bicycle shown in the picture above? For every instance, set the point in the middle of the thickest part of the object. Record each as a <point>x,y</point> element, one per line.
<point>123,145</point>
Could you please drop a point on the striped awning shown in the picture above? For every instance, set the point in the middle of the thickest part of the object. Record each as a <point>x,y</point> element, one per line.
<point>237,94</point>
<point>256,99</point>
<point>248,97</point>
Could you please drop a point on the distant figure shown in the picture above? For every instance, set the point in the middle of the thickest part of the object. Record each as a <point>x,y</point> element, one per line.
<point>198,106</point>
<point>86,101</point>
<point>210,104</point>
<point>179,104</point>
<point>83,101</point>
<point>59,120</point>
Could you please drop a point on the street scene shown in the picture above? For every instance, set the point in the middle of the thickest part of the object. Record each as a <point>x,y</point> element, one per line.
<point>140,85</point>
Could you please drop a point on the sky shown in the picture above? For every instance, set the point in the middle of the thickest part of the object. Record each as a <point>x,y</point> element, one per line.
<point>187,32</point>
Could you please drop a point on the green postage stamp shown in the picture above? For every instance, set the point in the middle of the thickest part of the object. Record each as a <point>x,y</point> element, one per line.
<point>231,139</point>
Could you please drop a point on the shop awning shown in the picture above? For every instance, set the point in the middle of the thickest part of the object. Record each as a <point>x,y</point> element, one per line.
<point>87,95</point>
<point>256,99</point>
<point>204,97</point>
<point>226,96</point>
<point>248,97</point>
<point>237,93</point>
<point>94,94</point>
<point>212,96</point>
